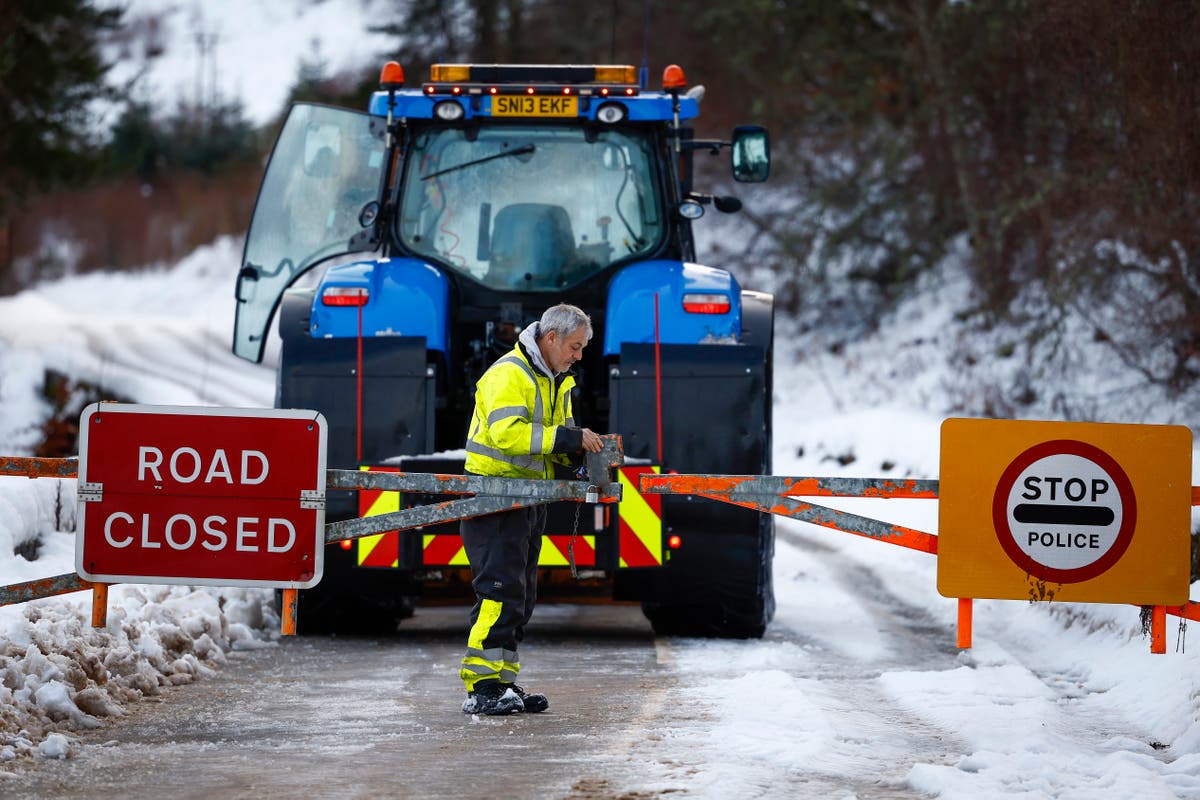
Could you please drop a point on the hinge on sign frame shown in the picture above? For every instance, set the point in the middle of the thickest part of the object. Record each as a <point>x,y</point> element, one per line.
<point>312,498</point>
<point>90,492</point>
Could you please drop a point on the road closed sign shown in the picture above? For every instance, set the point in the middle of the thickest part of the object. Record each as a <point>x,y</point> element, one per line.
<point>1083,512</point>
<point>220,496</point>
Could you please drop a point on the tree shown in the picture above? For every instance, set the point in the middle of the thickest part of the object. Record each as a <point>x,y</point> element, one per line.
<point>51,75</point>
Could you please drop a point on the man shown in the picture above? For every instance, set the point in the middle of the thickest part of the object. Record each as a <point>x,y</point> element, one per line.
<point>523,427</point>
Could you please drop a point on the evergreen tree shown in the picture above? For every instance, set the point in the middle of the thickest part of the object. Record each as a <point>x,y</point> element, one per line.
<point>51,74</point>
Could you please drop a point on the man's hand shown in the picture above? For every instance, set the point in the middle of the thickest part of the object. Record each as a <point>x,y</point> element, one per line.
<point>592,442</point>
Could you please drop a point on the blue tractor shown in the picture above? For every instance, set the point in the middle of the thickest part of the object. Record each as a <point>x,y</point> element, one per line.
<point>403,250</point>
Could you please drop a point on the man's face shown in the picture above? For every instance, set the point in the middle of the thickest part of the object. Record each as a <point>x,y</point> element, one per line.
<point>562,352</point>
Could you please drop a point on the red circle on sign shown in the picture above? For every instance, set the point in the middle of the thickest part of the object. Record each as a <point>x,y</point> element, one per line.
<point>1004,532</point>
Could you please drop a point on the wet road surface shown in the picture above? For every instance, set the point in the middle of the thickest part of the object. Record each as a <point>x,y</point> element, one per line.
<point>380,717</point>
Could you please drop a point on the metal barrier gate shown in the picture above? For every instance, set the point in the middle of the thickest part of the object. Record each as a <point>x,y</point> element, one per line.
<point>490,495</point>
<point>768,494</point>
<point>777,495</point>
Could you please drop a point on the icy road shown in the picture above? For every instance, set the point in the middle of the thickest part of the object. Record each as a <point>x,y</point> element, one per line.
<point>631,716</point>
<point>828,705</point>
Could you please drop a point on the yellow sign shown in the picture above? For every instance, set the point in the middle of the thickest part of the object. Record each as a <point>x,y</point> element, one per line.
<point>534,105</point>
<point>1071,511</point>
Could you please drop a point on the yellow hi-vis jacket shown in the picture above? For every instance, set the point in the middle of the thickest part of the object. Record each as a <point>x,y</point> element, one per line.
<point>519,410</point>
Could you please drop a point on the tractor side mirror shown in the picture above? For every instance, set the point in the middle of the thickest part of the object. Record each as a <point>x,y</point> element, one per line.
<point>750,154</point>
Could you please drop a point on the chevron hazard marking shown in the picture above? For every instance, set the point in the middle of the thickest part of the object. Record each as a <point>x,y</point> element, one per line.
<point>640,521</point>
<point>381,549</point>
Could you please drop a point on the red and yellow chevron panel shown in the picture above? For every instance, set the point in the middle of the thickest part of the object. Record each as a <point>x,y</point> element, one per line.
<point>556,551</point>
<point>443,550</point>
<point>380,549</point>
<point>639,539</point>
<point>446,550</point>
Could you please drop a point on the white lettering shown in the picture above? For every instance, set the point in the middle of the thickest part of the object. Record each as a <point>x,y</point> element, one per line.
<point>146,543</point>
<point>108,536</point>
<point>218,535</point>
<point>244,532</point>
<point>145,463</point>
<point>274,523</point>
<point>191,526</point>
<point>262,458</point>
<point>219,468</point>
<point>195,473</point>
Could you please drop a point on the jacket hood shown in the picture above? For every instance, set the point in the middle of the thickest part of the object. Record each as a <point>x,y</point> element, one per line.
<point>528,340</point>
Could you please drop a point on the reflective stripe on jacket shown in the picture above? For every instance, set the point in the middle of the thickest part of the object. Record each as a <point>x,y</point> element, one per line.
<point>518,411</point>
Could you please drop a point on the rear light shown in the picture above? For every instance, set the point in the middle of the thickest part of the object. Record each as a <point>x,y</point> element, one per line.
<point>347,544</point>
<point>345,296</point>
<point>706,303</point>
<point>673,541</point>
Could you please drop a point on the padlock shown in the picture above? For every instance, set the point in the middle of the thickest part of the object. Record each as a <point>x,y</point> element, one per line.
<point>593,495</point>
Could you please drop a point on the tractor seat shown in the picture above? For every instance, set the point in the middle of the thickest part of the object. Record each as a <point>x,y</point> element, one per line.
<point>530,239</point>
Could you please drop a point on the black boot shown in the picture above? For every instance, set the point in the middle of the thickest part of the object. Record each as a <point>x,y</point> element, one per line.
<point>534,703</point>
<point>492,697</point>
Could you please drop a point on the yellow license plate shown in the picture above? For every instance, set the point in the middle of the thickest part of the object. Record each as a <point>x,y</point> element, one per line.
<point>537,105</point>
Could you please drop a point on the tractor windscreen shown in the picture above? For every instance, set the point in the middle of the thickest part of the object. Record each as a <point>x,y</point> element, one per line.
<point>530,208</point>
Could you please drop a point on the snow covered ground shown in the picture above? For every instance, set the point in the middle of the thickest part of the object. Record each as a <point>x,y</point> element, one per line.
<point>250,52</point>
<point>162,336</point>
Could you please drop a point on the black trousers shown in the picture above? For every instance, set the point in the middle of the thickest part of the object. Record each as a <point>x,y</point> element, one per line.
<point>503,550</point>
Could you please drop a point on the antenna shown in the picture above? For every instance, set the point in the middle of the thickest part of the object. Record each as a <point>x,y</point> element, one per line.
<point>644,72</point>
<point>612,52</point>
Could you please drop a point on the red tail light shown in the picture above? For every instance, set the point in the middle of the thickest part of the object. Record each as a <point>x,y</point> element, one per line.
<point>706,303</point>
<point>674,541</point>
<point>345,296</point>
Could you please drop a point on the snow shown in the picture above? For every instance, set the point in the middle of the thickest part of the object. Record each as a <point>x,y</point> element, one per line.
<point>248,52</point>
<point>1006,712</point>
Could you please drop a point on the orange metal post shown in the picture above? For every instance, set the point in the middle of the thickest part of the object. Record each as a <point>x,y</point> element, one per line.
<point>965,611</point>
<point>99,605</point>
<point>1158,630</point>
<point>288,623</point>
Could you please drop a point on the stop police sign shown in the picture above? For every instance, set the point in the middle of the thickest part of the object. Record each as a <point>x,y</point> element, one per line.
<point>220,496</point>
<point>1065,511</point>
<point>1068,511</point>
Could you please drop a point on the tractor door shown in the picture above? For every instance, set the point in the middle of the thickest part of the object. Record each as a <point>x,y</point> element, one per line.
<point>319,199</point>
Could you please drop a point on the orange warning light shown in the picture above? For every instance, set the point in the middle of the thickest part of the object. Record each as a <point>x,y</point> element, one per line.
<point>673,77</point>
<point>392,74</point>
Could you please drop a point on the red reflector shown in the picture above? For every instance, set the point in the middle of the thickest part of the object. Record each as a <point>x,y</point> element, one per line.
<point>347,544</point>
<point>706,303</point>
<point>345,296</point>
<point>674,541</point>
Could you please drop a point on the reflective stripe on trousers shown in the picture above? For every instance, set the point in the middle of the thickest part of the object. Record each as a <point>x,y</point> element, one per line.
<point>494,662</point>
<point>503,549</point>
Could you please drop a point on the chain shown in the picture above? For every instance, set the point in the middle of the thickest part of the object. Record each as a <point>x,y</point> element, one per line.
<point>1181,639</point>
<point>571,546</point>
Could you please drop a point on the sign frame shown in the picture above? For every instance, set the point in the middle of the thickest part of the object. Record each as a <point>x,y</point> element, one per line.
<point>1149,468</point>
<point>294,439</point>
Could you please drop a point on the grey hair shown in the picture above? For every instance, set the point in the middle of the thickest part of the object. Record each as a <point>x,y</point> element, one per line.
<point>564,319</point>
